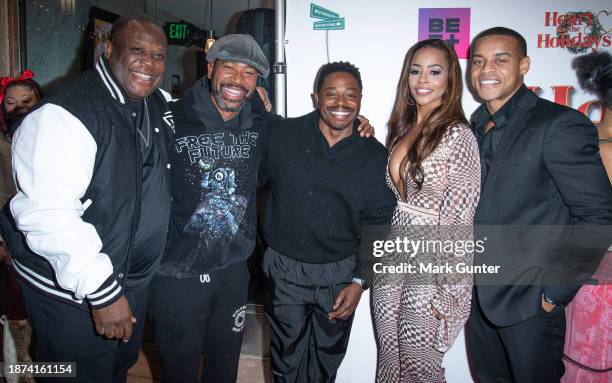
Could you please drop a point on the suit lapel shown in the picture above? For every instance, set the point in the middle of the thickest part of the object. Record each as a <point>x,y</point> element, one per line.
<point>516,125</point>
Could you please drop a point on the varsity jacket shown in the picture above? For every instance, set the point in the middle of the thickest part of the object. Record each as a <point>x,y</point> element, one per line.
<point>78,172</point>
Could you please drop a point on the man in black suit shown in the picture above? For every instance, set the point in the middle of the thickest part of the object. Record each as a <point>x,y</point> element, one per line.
<point>540,166</point>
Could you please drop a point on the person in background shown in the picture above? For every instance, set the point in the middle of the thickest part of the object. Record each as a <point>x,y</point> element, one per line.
<point>434,172</point>
<point>587,339</point>
<point>17,97</point>
<point>594,72</point>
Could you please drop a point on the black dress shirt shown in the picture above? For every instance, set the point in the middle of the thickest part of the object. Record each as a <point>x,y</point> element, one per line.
<point>489,140</point>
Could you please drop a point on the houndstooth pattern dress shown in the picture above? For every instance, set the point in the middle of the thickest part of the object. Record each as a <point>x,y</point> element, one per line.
<point>411,340</point>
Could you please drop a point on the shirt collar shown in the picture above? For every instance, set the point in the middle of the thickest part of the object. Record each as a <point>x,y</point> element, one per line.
<point>503,114</point>
<point>113,87</point>
<point>500,118</point>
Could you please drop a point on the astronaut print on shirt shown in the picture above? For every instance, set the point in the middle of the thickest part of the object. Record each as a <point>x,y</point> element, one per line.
<point>216,214</point>
<point>218,163</point>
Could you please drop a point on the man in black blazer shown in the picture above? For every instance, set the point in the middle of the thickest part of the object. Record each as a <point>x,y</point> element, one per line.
<point>540,166</point>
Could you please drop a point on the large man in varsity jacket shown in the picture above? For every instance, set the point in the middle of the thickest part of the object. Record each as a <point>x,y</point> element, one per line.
<point>91,167</point>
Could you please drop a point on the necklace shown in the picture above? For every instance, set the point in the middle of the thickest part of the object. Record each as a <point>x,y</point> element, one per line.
<point>147,126</point>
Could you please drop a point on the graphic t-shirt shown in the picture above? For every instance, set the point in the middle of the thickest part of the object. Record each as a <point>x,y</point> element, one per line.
<point>214,174</point>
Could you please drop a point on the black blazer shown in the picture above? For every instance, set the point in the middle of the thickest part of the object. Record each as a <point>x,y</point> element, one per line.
<point>546,170</point>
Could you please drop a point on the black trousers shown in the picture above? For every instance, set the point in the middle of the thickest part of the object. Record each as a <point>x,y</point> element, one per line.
<point>200,315</point>
<point>66,333</point>
<point>305,345</point>
<point>526,352</point>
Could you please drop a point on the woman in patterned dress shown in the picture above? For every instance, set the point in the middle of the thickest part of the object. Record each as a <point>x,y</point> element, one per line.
<point>434,171</point>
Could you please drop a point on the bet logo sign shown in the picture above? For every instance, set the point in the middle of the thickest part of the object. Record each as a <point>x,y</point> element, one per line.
<point>450,24</point>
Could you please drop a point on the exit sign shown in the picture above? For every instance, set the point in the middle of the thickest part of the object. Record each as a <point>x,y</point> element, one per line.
<point>178,33</point>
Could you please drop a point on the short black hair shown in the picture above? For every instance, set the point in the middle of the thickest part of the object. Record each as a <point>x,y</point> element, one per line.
<point>339,66</point>
<point>502,31</point>
<point>123,21</point>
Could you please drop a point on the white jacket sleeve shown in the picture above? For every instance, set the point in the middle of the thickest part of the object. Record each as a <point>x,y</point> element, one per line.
<point>53,160</point>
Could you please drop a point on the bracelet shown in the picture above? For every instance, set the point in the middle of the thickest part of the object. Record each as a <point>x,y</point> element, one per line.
<point>605,140</point>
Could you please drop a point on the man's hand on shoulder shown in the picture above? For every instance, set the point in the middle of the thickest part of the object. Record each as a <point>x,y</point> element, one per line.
<point>263,94</point>
<point>364,128</point>
<point>346,302</point>
<point>115,320</point>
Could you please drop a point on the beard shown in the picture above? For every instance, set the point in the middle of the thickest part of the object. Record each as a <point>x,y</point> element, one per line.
<point>338,127</point>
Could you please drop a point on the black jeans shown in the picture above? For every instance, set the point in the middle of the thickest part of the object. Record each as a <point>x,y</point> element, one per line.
<point>66,333</point>
<point>200,315</point>
<point>305,345</point>
<point>526,352</point>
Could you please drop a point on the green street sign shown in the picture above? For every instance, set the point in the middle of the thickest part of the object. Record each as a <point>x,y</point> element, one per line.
<point>318,12</point>
<point>328,24</point>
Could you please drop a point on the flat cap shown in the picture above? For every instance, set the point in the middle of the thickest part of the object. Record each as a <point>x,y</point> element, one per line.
<point>240,48</point>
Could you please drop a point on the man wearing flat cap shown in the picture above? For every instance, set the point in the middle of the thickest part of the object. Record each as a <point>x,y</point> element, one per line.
<point>199,296</point>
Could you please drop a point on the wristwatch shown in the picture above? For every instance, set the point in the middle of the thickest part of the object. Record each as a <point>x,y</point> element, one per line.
<point>549,300</point>
<point>361,282</point>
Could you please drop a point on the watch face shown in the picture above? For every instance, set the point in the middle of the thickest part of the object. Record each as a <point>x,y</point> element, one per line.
<point>549,300</point>
<point>361,282</point>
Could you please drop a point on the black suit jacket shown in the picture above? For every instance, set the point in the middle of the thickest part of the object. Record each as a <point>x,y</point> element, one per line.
<point>546,170</point>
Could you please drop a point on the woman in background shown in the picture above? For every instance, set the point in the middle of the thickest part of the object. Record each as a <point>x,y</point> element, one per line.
<point>434,171</point>
<point>17,97</point>
<point>589,316</point>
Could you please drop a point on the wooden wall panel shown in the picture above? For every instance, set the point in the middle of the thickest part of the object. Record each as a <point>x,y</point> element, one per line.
<point>9,38</point>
